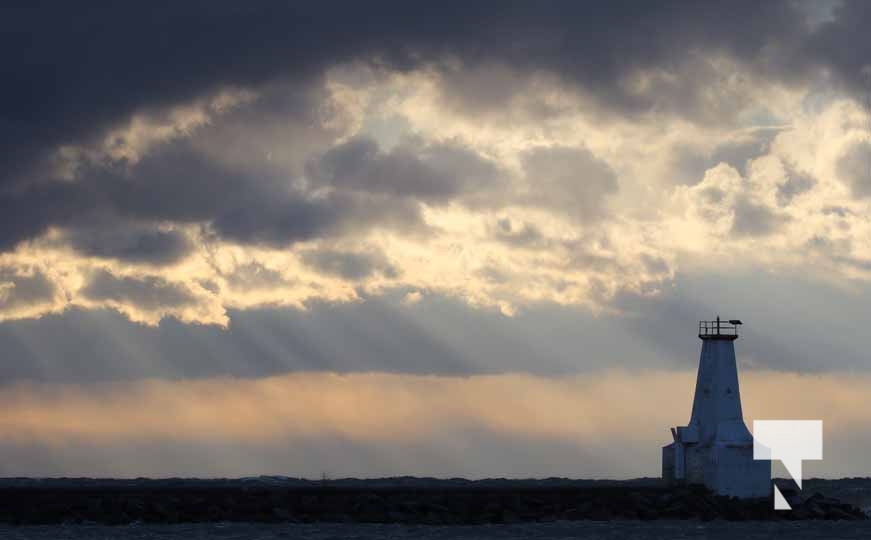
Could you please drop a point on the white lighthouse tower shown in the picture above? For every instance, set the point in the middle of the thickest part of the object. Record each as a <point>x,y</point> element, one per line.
<point>716,448</point>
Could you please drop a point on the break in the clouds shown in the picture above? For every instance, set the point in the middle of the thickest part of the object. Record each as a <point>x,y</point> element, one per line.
<point>444,189</point>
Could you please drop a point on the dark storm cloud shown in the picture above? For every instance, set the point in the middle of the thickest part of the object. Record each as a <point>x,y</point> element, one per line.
<point>280,222</point>
<point>178,183</point>
<point>841,44</point>
<point>130,244</point>
<point>349,265</point>
<point>432,173</point>
<point>148,293</point>
<point>597,46</point>
<point>171,184</point>
<point>28,212</point>
<point>71,71</point>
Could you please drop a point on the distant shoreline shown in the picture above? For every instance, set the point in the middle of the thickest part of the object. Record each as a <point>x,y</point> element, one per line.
<point>288,481</point>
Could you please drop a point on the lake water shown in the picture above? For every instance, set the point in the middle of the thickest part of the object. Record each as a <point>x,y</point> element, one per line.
<point>665,530</point>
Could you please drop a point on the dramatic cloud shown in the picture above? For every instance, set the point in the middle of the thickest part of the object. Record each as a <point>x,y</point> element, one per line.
<point>149,292</point>
<point>407,195</point>
<point>133,245</point>
<point>426,173</point>
<point>148,298</point>
<point>351,266</point>
<point>559,38</point>
<point>308,144</point>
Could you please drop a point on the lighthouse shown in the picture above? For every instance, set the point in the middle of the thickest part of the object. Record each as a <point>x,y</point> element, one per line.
<point>716,448</point>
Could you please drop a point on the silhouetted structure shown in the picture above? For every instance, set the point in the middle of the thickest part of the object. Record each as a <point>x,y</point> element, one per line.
<point>716,448</point>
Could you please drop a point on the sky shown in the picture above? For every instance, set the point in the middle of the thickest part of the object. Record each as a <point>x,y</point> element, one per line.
<point>448,238</point>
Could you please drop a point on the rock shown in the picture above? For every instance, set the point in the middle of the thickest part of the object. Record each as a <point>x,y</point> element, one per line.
<point>507,516</point>
<point>572,514</point>
<point>600,513</point>
<point>838,514</point>
<point>282,514</point>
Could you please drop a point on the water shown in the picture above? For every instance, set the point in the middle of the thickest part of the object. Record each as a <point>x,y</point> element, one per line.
<point>613,530</point>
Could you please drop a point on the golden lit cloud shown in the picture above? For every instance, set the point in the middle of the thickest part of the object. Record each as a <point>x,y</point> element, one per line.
<point>561,206</point>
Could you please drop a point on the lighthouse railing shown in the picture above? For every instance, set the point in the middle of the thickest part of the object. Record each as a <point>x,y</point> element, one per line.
<point>717,328</point>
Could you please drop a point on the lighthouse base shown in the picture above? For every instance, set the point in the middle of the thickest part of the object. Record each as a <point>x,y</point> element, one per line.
<point>725,468</point>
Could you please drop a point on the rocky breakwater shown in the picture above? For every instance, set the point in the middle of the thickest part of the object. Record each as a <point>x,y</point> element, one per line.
<point>437,504</point>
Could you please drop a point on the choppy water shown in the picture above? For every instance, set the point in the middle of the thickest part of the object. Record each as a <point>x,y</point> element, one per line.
<point>546,531</point>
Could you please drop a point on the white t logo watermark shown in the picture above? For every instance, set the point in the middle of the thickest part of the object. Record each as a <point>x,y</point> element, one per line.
<point>790,442</point>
